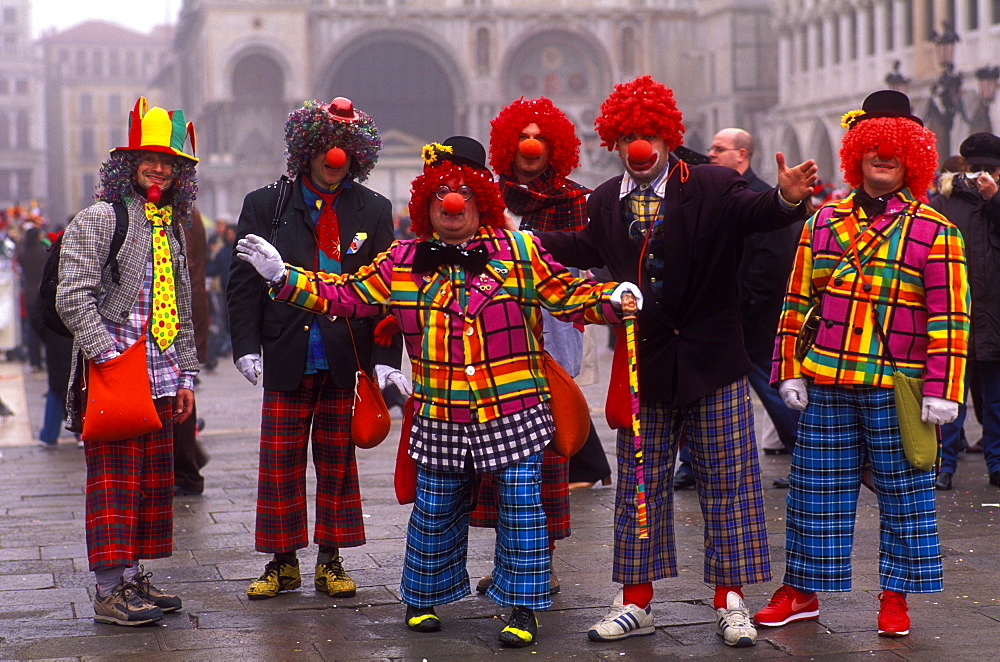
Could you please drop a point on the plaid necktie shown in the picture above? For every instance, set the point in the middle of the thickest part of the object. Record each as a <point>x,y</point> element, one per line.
<point>165,321</point>
<point>645,207</point>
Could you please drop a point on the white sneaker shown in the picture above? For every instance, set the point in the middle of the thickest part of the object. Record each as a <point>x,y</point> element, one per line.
<point>623,621</point>
<point>733,622</point>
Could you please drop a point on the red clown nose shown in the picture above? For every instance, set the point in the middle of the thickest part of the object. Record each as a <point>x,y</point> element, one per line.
<point>336,157</point>
<point>639,151</point>
<point>530,148</point>
<point>453,203</point>
<point>886,151</point>
<point>153,194</point>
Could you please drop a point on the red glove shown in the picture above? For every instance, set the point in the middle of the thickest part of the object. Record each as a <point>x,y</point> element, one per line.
<point>385,330</point>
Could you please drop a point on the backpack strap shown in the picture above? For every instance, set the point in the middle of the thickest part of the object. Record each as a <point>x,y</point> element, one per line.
<point>284,193</point>
<point>117,239</point>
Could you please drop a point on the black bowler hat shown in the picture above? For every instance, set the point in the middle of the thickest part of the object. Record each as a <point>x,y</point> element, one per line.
<point>886,103</point>
<point>465,151</point>
<point>981,149</point>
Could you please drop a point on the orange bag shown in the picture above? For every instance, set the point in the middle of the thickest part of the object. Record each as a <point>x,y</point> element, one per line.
<point>118,401</point>
<point>370,417</point>
<point>618,406</point>
<point>570,411</point>
<point>405,477</point>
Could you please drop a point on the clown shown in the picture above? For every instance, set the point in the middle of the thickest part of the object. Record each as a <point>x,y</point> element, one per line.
<point>888,274</point>
<point>681,230</point>
<point>533,148</point>
<point>109,299</point>
<point>324,217</point>
<point>468,296</point>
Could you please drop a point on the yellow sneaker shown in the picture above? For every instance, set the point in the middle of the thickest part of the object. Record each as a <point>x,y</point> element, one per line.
<point>331,578</point>
<point>277,577</point>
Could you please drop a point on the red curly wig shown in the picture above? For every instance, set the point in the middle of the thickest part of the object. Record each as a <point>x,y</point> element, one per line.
<point>916,149</point>
<point>487,195</point>
<point>642,105</point>
<point>558,130</point>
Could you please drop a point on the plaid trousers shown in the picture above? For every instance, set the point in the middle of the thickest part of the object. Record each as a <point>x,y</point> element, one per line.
<point>555,497</point>
<point>282,521</point>
<point>839,430</point>
<point>130,495</point>
<point>437,539</point>
<point>718,429</point>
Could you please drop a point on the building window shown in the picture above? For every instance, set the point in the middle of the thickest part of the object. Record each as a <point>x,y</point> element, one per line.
<point>21,86</point>
<point>852,35</point>
<point>89,181</point>
<point>820,46</point>
<point>483,50</point>
<point>9,15</point>
<point>628,46</point>
<point>995,12</point>
<point>114,65</point>
<point>4,131</point>
<point>87,148</point>
<point>870,31</point>
<point>890,26</point>
<point>86,104</point>
<point>972,15</point>
<point>804,49</point>
<point>835,41</point>
<point>81,62</point>
<point>114,105</point>
<point>4,86</point>
<point>21,130</point>
<point>98,63</point>
<point>908,23</point>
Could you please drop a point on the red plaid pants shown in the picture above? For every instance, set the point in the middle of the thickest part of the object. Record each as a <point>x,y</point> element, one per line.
<point>130,495</point>
<point>286,421</point>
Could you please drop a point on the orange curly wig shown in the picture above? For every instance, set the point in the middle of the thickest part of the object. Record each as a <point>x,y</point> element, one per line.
<point>558,130</point>
<point>916,149</point>
<point>644,106</point>
<point>487,195</point>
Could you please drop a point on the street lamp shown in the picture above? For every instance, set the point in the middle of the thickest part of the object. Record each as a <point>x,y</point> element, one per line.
<point>896,80</point>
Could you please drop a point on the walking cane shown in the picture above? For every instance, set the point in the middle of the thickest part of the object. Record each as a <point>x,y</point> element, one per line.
<point>629,309</point>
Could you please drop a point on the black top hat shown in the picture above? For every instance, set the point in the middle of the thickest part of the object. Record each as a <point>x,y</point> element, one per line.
<point>981,149</point>
<point>886,103</point>
<point>465,151</point>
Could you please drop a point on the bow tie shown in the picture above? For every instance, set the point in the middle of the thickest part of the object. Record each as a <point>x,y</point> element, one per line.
<point>430,256</point>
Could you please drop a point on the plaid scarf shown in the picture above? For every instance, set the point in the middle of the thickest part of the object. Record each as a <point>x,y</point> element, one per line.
<point>545,204</point>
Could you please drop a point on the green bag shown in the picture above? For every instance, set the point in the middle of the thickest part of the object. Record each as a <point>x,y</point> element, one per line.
<point>920,442</point>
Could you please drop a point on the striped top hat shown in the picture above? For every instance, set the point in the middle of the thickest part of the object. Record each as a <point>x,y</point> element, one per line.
<point>158,130</point>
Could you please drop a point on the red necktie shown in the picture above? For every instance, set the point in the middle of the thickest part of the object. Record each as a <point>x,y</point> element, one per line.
<point>327,226</point>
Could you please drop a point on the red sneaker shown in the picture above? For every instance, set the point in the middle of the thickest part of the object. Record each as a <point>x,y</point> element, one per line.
<point>787,605</point>
<point>893,621</point>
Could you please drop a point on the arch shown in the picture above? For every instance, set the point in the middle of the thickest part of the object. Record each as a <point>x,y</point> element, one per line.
<point>404,84</point>
<point>821,150</point>
<point>788,143</point>
<point>568,67</point>
<point>256,77</point>
<point>483,48</point>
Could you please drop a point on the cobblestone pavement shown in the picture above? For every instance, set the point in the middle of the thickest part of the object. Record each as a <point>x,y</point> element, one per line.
<point>46,590</point>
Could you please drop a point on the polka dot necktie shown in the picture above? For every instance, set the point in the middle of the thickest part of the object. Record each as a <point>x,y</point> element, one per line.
<point>165,320</point>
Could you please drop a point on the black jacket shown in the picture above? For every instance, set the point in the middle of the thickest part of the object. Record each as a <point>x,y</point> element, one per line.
<point>256,322</point>
<point>690,341</point>
<point>762,279</point>
<point>979,222</point>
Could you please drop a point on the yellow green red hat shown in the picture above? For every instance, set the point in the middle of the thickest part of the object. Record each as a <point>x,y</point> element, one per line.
<point>158,130</point>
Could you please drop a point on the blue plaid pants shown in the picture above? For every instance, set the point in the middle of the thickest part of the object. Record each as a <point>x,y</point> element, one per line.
<point>437,538</point>
<point>838,431</point>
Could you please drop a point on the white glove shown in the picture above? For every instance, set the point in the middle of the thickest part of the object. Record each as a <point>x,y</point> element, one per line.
<point>623,287</point>
<point>385,374</point>
<point>262,256</point>
<point>249,367</point>
<point>794,393</point>
<point>938,411</point>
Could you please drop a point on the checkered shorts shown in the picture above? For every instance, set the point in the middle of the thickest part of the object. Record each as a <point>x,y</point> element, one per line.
<point>493,445</point>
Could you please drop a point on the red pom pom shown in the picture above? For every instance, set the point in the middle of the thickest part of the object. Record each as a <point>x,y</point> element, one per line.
<point>336,157</point>
<point>453,203</point>
<point>530,148</point>
<point>886,151</point>
<point>153,194</point>
<point>640,151</point>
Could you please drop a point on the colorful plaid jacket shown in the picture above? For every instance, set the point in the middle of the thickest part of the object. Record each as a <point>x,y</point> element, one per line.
<point>474,346</point>
<point>913,259</point>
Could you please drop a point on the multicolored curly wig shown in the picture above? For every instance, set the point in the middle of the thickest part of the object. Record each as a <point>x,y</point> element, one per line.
<point>118,182</point>
<point>915,145</point>
<point>310,130</point>
<point>555,127</point>
<point>487,195</point>
<point>643,106</point>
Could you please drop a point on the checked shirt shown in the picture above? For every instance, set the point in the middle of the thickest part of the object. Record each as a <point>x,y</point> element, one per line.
<point>913,259</point>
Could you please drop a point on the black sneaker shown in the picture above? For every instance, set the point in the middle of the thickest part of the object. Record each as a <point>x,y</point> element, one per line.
<point>521,629</point>
<point>422,619</point>
<point>167,602</point>
<point>124,606</point>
